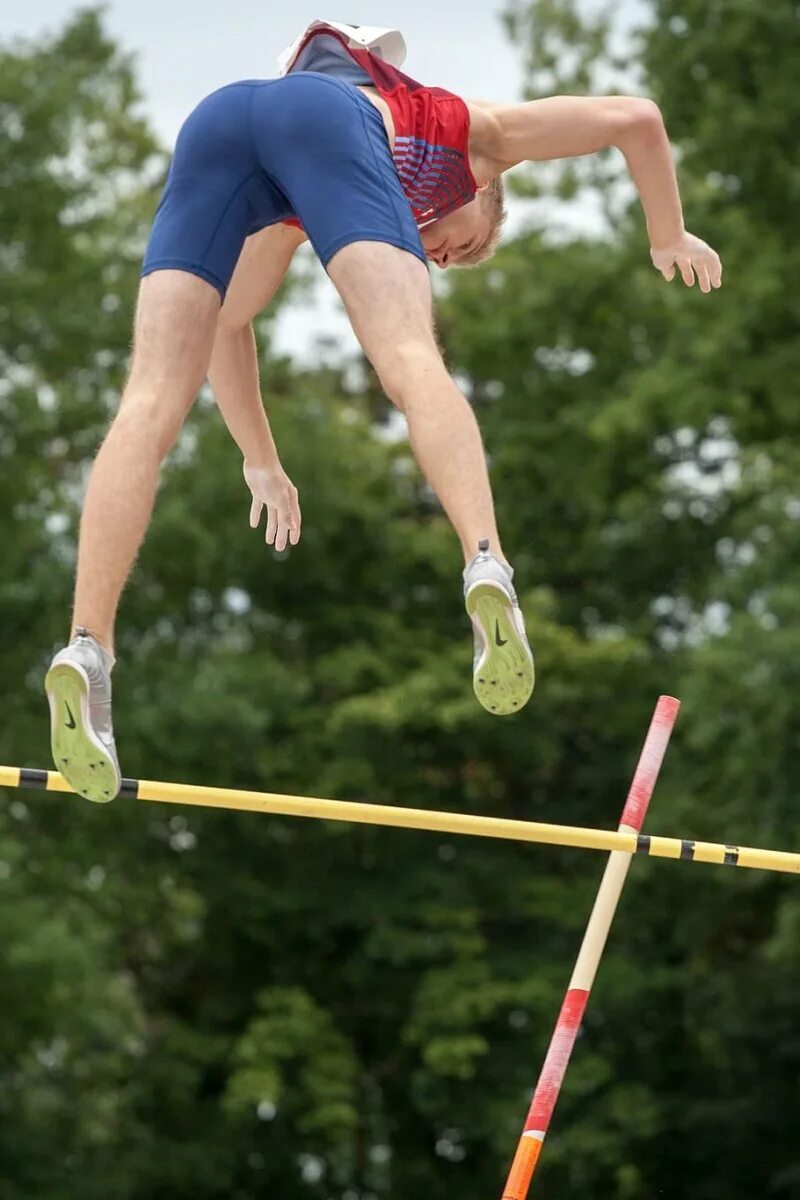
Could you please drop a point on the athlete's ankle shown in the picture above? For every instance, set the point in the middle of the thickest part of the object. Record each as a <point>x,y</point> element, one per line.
<point>490,546</point>
<point>103,638</point>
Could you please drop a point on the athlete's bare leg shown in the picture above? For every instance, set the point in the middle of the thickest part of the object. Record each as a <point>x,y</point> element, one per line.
<point>387,294</point>
<point>176,318</point>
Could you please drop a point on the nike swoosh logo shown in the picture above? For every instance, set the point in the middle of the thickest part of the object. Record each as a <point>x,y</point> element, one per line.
<point>500,641</point>
<point>70,724</point>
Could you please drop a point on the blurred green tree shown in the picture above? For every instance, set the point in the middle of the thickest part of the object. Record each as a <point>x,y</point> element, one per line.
<point>659,428</point>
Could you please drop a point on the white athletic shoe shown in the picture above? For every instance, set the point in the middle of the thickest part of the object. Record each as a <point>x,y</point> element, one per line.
<point>503,673</point>
<point>78,687</point>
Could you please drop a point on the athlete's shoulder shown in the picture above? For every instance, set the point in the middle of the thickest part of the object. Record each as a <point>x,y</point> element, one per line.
<point>485,135</point>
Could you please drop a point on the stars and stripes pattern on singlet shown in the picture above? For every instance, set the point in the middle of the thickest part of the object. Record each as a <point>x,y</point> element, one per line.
<point>431,140</point>
<point>435,179</point>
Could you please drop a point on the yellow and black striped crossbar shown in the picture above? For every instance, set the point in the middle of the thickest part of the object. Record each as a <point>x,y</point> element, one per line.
<point>418,818</point>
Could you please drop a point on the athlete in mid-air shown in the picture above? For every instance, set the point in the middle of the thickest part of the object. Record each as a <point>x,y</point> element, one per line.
<point>380,174</point>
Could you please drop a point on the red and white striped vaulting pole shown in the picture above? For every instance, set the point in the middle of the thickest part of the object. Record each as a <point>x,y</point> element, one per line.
<point>577,997</point>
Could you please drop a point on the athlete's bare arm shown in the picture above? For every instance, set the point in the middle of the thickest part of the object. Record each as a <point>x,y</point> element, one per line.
<point>233,375</point>
<point>571,126</point>
<point>263,263</point>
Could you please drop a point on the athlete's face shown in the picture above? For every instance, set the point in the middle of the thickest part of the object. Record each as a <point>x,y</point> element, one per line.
<point>451,238</point>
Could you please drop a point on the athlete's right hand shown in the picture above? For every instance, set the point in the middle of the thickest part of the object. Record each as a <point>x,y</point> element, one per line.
<point>692,257</point>
<point>271,488</point>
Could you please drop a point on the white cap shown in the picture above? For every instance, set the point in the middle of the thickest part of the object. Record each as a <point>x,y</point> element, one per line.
<point>387,44</point>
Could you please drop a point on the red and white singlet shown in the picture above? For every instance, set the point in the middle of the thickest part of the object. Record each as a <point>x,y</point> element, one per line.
<point>431,149</point>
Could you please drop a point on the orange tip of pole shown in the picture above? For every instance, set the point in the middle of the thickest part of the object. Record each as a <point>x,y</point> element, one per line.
<point>522,1168</point>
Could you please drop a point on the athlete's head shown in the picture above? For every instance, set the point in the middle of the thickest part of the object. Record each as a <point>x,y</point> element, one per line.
<point>469,235</point>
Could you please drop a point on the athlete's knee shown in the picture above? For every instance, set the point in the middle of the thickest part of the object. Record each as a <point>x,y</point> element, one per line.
<point>151,417</point>
<point>408,368</point>
<point>168,385</point>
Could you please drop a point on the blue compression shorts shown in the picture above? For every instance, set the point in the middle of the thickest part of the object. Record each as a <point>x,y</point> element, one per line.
<point>255,152</point>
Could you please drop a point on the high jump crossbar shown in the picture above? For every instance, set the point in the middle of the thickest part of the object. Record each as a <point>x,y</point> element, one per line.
<point>427,819</point>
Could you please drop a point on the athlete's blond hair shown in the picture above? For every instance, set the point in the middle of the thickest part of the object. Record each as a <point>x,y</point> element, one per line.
<point>493,201</point>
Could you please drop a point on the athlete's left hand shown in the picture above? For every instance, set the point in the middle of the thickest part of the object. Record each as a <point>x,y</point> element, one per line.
<point>691,256</point>
<point>272,489</point>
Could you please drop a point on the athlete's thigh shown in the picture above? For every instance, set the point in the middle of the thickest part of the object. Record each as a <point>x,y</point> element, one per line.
<point>387,294</point>
<point>176,319</point>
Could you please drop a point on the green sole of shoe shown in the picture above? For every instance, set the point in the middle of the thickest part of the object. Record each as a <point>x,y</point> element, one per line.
<point>504,682</point>
<point>77,753</point>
